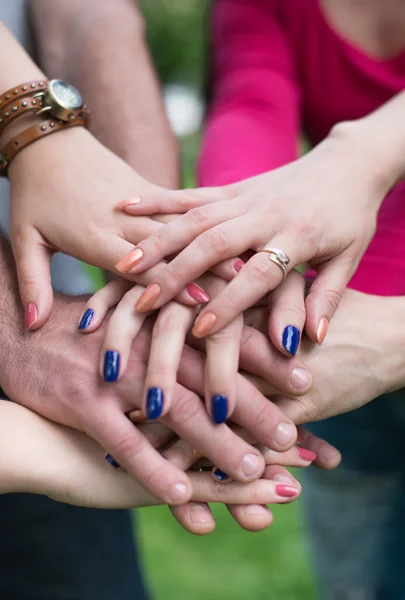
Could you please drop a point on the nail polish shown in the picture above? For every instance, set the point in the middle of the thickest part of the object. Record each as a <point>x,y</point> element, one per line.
<point>220,475</point>
<point>154,403</point>
<point>31,314</point>
<point>86,319</point>
<point>130,261</point>
<point>204,325</point>
<point>291,339</point>
<point>111,366</point>
<point>286,491</point>
<point>130,202</point>
<point>197,293</point>
<point>112,461</point>
<point>306,455</point>
<point>148,298</point>
<point>219,408</point>
<point>322,330</point>
<point>238,265</point>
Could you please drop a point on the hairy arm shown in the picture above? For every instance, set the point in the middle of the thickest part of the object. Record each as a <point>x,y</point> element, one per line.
<point>100,47</point>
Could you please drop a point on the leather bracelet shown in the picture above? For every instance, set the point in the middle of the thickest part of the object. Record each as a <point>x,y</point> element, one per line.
<point>18,108</point>
<point>27,137</point>
<point>25,89</point>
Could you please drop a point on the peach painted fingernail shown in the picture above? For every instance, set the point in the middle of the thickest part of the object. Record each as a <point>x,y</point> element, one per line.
<point>197,293</point>
<point>286,491</point>
<point>204,325</point>
<point>197,454</point>
<point>238,265</point>
<point>322,330</point>
<point>306,455</point>
<point>136,416</point>
<point>31,314</point>
<point>130,261</point>
<point>148,298</point>
<point>124,203</point>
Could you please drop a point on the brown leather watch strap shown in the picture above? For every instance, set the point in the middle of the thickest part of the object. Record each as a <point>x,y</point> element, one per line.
<point>27,137</point>
<point>25,89</point>
<point>18,108</point>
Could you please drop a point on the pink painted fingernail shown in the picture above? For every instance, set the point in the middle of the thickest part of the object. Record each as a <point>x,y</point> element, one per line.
<point>197,293</point>
<point>204,325</point>
<point>148,298</point>
<point>322,330</point>
<point>306,455</point>
<point>130,261</point>
<point>130,202</point>
<point>238,265</point>
<point>286,491</point>
<point>31,314</point>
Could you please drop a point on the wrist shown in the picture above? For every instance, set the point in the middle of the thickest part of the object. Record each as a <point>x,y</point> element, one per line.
<point>394,341</point>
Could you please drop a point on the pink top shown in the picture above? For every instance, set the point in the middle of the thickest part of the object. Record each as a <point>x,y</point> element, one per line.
<point>279,68</point>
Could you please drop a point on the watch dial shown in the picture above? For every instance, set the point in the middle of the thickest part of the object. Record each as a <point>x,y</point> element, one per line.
<point>67,94</point>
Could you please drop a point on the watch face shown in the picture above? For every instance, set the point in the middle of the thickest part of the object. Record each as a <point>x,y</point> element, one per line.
<point>66,95</point>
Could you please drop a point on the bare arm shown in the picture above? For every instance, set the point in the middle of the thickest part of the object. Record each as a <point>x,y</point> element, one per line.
<point>100,47</point>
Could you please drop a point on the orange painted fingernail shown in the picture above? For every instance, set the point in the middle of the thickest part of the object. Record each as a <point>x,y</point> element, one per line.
<point>136,416</point>
<point>130,261</point>
<point>197,454</point>
<point>204,325</point>
<point>322,330</point>
<point>124,203</point>
<point>148,298</point>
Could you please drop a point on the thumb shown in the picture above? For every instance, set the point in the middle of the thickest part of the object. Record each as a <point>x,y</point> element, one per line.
<point>177,201</point>
<point>33,260</point>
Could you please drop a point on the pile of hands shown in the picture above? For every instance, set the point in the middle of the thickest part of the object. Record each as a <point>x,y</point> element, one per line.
<point>207,324</point>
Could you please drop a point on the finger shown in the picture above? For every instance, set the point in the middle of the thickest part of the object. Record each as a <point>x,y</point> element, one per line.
<point>195,517</point>
<point>327,456</point>
<point>252,517</point>
<point>178,201</point>
<point>287,314</point>
<point>130,448</point>
<point>123,327</point>
<point>325,294</point>
<point>296,456</point>
<point>101,302</point>
<point>221,368</point>
<point>168,338</point>
<point>33,264</point>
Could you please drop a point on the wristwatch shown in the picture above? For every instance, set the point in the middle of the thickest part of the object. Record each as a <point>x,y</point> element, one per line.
<point>62,101</point>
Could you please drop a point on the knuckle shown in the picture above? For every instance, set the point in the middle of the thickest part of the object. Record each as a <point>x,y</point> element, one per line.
<point>219,490</point>
<point>154,244</point>
<point>217,240</point>
<point>129,447</point>
<point>297,308</point>
<point>20,236</point>
<point>332,298</point>
<point>246,336</point>
<point>186,407</point>
<point>199,216</point>
<point>167,322</point>
<point>261,267</point>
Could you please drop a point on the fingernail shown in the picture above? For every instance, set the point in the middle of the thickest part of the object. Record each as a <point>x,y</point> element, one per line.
<point>282,477</point>
<point>154,403</point>
<point>86,319</point>
<point>291,339</point>
<point>285,434</point>
<point>238,265</point>
<point>130,202</point>
<point>136,416</point>
<point>177,493</point>
<point>255,510</point>
<point>111,366</point>
<point>112,461</point>
<point>148,298</point>
<point>300,378</point>
<point>128,262</point>
<point>204,324</point>
<point>220,475</point>
<point>322,330</point>
<point>197,293</point>
<point>200,514</point>
<point>305,454</point>
<point>250,464</point>
<point>197,454</point>
<point>31,314</point>
<point>219,408</point>
<point>286,491</point>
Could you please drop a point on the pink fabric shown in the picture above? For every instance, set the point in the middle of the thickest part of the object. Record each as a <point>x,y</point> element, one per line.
<point>278,69</point>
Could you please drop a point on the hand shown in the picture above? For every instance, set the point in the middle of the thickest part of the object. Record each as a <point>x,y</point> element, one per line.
<point>361,359</point>
<point>54,372</point>
<point>320,209</point>
<point>36,449</point>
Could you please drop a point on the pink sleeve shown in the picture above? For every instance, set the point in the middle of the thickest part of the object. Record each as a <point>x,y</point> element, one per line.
<point>253,122</point>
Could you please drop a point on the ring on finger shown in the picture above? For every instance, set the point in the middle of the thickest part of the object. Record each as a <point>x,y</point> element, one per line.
<point>278,257</point>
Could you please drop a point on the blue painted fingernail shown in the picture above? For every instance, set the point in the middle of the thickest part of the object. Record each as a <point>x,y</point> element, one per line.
<point>291,339</point>
<point>111,365</point>
<point>154,403</point>
<point>86,319</point>
<point>220,475</point>
<point>219,408</point>
<point>112,461</point>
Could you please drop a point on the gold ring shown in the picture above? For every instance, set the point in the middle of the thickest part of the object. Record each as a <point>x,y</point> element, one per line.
<point>279,258</point>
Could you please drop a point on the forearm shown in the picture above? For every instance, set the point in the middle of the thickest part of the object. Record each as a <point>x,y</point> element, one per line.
<point>100,47</point>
